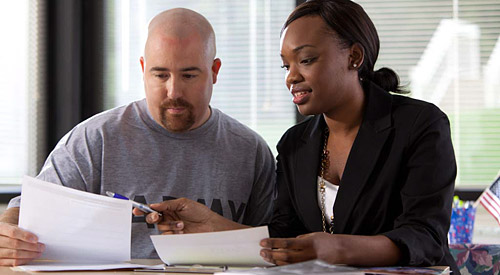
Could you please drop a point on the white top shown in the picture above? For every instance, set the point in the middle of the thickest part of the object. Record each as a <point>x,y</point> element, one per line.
<point>330,196</point>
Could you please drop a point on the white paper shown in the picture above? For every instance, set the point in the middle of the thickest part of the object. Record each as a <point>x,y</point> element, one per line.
<point>234,247</point>
<point>76,226</point>
<point>316,267</point>
<point>51,266</point>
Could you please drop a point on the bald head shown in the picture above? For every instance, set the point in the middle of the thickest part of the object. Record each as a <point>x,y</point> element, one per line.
<point>179,69</point>
<point>181,26</point>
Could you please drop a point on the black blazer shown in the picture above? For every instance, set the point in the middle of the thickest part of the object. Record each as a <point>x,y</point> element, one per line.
<point>398,180</point>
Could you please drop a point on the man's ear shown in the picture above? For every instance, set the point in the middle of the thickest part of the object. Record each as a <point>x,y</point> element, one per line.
<point>141,60</point>
<point>356,57</point>
<point>215,69</point>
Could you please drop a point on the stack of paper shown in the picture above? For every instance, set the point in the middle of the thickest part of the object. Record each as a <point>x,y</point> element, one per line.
<point>319,267</point>
<point>234,247</point>
<point>80,230</point>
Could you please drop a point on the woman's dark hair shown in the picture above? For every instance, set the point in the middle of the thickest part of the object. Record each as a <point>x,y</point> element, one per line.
<point>352,25</point>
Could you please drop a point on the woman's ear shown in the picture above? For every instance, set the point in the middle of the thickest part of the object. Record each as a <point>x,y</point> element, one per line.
<point>356,56</point>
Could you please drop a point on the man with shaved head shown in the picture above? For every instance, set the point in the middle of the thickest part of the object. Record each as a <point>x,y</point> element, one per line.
<point>179,67</point>
<point>169,145</point>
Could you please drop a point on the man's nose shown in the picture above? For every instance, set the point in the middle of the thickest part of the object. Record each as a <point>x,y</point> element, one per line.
<point>174,88</point>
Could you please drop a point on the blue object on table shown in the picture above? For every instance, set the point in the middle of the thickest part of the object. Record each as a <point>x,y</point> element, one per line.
<point>462,224</point>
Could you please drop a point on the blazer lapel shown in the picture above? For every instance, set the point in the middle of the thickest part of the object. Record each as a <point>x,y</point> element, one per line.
<point>306,165</point>
<point>372,135</point>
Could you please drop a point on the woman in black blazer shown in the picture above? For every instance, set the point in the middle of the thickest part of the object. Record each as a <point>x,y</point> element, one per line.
<point>368,179</point>
<point>371,173</point>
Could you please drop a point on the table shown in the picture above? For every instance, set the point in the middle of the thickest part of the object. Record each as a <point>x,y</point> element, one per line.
<point>10,271</point>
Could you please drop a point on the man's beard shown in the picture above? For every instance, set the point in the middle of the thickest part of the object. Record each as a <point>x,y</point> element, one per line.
<point>177,122</point>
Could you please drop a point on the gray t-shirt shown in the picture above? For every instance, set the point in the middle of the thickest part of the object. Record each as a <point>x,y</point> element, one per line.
<point>222,164</point>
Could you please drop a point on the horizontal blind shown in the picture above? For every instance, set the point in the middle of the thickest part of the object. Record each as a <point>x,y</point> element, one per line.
<point>21,90</point>
<point>455,65</point>
<point>250,84</point>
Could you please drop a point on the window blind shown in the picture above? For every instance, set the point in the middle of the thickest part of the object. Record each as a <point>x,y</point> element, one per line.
<point>250,84</point>
<point>21,91</point>
<point>448,53</point>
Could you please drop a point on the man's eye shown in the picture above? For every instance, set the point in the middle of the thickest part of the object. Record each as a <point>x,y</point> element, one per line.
<point>285,67</point>
<point>161,76</point>
<point>189,76</point>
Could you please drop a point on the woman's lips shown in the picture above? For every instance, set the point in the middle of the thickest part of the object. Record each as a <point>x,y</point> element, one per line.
<point>301,97</point>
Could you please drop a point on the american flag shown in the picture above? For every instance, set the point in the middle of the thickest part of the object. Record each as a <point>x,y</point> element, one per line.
<point>490,199</point>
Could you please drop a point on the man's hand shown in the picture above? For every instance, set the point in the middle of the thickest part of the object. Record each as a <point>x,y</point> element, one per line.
<point>17,246</point>
<point>335,249</point>
<point>187,216</point>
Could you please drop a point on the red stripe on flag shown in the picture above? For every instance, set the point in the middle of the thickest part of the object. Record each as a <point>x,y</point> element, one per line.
<point>493,199</point>
<point>485,201</point>
<point>495,217</point>
<point>493,211</point>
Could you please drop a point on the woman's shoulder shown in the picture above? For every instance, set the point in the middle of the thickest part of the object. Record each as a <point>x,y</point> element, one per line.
<point>301,129</point>
<point>410,113</point>
<point>407,105</point>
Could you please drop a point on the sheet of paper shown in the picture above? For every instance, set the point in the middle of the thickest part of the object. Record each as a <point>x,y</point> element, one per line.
<point>316,267</point>
<point>76,226</point>
<point>234,247</point>
<point>319,267</point>
<point>51,266</point>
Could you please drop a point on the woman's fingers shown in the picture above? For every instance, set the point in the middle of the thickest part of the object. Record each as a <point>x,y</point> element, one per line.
<point>174,226</point>
<point>285,256</point>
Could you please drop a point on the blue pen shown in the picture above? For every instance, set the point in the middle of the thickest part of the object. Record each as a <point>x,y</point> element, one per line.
<point>139,205</point>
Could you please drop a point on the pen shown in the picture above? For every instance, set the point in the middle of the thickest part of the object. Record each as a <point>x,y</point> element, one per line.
<point>139,205</point>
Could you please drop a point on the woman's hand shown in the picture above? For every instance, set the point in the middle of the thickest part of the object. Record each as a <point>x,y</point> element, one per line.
<point>180,216</point>
<point>186,216</point>
<point>335,249</point>
<point>317,245</point>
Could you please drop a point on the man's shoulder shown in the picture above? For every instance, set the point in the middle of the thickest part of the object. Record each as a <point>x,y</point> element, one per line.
<point>112,116</point>
<point>106,121</point>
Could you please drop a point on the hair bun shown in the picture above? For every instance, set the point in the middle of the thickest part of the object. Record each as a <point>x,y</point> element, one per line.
<point>387,79</point>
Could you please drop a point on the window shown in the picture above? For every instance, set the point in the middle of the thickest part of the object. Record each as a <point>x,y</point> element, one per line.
<point>250,85</point>
<point>448,52</point>
<point>21,92</point>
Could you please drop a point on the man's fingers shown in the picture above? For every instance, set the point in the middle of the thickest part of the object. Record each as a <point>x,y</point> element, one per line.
<point>14,262</point>
<point>6,242</point>
<point>7,253</point>
<point>13,231</point>
<point>283,243</point>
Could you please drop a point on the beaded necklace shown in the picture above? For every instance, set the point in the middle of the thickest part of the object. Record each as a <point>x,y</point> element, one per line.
<point>325,163</point>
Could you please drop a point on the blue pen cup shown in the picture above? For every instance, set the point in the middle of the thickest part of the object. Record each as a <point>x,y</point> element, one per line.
<point>462,225</point>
